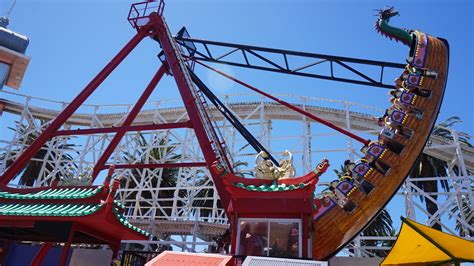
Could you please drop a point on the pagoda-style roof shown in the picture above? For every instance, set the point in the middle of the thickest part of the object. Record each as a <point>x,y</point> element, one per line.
<point>254,196</point>
<point>50,213</point>
<point>268,185</point>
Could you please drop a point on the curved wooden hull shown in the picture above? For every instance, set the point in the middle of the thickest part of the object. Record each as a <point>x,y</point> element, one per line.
<point>333,230</point>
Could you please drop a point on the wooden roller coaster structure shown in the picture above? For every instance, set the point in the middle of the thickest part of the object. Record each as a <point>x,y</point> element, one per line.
<point>329,221</point>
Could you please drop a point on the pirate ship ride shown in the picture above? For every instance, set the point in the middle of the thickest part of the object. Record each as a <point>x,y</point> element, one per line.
<point>275,203</point>
<point>419,89</point>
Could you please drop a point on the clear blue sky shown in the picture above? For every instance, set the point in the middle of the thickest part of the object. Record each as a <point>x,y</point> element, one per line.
<point>71,42</point>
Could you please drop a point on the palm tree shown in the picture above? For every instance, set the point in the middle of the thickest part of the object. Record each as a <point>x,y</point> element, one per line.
<point>30,174</point>
<point>162,151</point>
<point>429,166</point>
<point>381,225</point>
<point>465,211</point>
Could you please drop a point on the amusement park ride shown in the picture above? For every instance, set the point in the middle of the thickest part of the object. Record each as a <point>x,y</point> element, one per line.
<point>317,227</point>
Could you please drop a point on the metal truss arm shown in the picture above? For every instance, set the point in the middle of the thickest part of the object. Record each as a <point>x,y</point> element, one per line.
<point>270,59</point>
<point>231,117</point>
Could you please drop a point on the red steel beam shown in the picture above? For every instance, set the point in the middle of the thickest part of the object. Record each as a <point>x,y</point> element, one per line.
<point>292,107</point>
<point>128,121</point>
<point>67,246</point>
<point>42,252</point>
<point>17,223</point>
<point>89,131</point>
<point>4,252</point>
<point>183,82</point>
<point>157,165</point>
<point>26,156</point>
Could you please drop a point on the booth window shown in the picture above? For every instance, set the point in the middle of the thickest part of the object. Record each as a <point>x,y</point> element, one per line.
<point>269,237</point>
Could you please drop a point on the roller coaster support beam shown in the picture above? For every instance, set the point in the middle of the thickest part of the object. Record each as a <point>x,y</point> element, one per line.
<point>292,107</point>
<point>26,156</point>
<point>270,60</point>
<point>90,131</point>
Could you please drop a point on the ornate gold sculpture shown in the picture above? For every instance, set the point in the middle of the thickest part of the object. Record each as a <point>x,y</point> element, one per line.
<point>264,168</point>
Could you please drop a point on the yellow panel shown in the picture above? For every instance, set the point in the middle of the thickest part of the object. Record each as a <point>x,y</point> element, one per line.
<point>412,248</point>
<point>458,247</point>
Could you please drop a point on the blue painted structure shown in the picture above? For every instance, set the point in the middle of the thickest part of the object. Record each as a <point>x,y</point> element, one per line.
<point>22,255</point>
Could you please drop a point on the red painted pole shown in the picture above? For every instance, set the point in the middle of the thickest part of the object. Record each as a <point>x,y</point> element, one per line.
<point>233,238</point>
<point>5,247</point>
<point>26,156</point>
<point>67,246</point>
<point>115,249</point>
<point>157,165</point>
<point>42,252</point>
<point>185,87</point>
<point>89,131</point>
<point>128,121</point>
<point>292,107</point>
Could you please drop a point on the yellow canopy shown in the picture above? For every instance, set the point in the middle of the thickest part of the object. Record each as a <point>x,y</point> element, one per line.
<point>418,244</point>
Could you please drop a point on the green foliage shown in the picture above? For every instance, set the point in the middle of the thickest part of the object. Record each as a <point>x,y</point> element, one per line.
<point>465,212</point>
<point>442,130</point>
<point>382,225</point>
<point>162,151</point>
<point>31,172</point>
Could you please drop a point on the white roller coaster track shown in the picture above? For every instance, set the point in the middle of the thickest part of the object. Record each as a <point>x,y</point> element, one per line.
<point>178,220</point>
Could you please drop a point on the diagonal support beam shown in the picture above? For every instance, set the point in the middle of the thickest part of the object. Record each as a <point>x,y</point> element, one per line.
<point>26,156</point>
<point>128,121</point>
<point>290,106</point>
<point>231,117</point>
<point>191,102</point>
<point>41,254</point>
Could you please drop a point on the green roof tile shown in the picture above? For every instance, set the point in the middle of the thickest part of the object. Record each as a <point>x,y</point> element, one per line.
<point>119,204</point>
<point>271,188</point>
<point>121,218</point>
<point>55,193</point>
<point>16,209</point>
<point>48,209</point>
